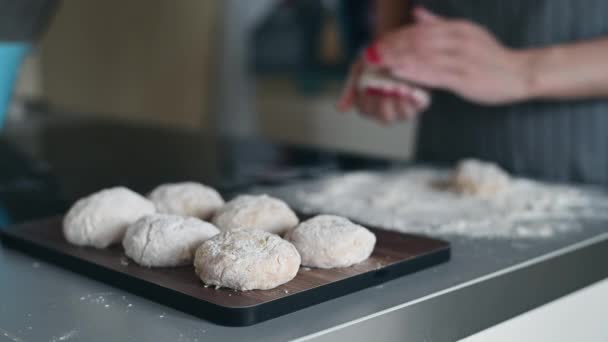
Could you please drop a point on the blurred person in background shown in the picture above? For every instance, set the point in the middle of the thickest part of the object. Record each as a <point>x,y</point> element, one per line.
<point>21,24</point>
<point>521,83</point>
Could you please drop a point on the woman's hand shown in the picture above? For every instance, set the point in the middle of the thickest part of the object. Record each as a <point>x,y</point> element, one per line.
<point>454,55</point>
<point>403,102</point>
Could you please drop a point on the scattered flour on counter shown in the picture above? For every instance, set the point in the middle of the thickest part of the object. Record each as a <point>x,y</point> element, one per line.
<point>65,337</point>
<point>8,335</point>
<point>124,261</point>
<point>97,298</point>
<point>413,200</point>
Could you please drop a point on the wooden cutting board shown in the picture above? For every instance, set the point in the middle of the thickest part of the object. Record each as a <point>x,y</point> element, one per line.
<point>395,255</point>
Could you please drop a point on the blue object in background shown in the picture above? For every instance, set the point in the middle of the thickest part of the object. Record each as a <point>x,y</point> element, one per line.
<point>11,57</point>
<point>5,218</point>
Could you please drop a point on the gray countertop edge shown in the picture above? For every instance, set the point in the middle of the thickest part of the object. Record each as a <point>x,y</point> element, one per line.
<point>480,303</point>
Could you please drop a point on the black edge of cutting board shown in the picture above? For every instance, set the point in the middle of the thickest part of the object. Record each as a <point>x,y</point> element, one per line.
<point>179,288</point>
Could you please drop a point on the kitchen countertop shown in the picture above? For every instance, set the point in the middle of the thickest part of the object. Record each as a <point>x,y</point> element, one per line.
<point>486,282</point>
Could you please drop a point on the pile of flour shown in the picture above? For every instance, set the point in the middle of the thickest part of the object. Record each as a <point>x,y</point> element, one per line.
<point>413,200</point>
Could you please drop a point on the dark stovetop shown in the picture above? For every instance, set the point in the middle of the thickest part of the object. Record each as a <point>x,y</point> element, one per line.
<point>79,157</point>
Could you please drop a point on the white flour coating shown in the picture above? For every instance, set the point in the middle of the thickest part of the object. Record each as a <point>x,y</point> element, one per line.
<point>410,201</point>
<point>162,240</point>
<point>246,259</point>
<point>186,199</point>
<point>374,78</point>
<point>474,177</point>
<point>102,218</point>
<point>258,212</point>
<point>328,241</point>
<point>65,337</point>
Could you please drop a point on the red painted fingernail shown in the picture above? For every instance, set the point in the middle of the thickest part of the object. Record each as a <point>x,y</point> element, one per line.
<point>393,93</point>
<point>374,92</point>
<point>372,55</point>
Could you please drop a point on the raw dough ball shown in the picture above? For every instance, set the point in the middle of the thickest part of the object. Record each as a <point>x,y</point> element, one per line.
<point>258,212</point>
<point>102,218</point>
<point>162,240</point>
<point>186,199</point>
<point>381,80</point>
<point>328,241</point>
<point>246,259</point>
<point>474,177</point>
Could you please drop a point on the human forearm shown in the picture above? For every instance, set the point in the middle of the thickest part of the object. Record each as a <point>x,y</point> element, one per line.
<point>570,71</point>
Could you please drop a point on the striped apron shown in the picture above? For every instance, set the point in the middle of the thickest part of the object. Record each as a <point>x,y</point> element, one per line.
<point>552,140</point>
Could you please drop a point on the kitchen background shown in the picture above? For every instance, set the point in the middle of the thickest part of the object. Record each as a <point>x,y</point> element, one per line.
<point>212,65</point>
<point>215,65</point>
